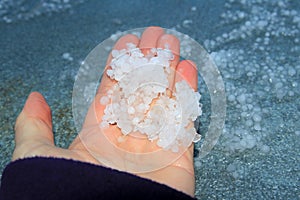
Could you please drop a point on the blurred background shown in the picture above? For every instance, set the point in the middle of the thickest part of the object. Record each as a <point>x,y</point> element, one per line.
<point>254,43</point>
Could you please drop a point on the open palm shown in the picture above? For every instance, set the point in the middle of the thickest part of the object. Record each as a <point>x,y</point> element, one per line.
<point>34,136</point>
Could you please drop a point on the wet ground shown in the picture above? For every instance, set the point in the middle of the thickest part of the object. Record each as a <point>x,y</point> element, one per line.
<point>255,44</point>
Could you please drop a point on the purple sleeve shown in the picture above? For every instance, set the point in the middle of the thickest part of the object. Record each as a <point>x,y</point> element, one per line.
<point>54,178</point>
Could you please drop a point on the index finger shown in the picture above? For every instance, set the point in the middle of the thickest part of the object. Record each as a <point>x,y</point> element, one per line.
<point>106,81</point>
<point>96,109</point>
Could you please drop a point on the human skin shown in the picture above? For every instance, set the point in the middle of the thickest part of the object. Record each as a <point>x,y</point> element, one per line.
<point>34,134</point>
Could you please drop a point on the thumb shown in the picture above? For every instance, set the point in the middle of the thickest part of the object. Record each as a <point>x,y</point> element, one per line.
<point>34,124</point>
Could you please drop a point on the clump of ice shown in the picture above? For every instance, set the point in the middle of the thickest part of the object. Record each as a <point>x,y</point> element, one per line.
<point>139,103</point>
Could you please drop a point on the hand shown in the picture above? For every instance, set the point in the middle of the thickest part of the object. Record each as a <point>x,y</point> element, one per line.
<point>33,129</point>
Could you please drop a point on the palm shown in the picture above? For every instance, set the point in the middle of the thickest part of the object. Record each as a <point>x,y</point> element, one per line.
<point>109,147</point>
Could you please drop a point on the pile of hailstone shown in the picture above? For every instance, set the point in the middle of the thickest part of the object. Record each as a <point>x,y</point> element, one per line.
<point>138,102</point>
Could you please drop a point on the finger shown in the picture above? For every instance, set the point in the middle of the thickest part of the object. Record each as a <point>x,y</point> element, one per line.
<point>172,43</point>
<point>34,124</point>
<point>96,110</point>
<point>150,38</point>
<point>187,70</point>
<point>106,81</point>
